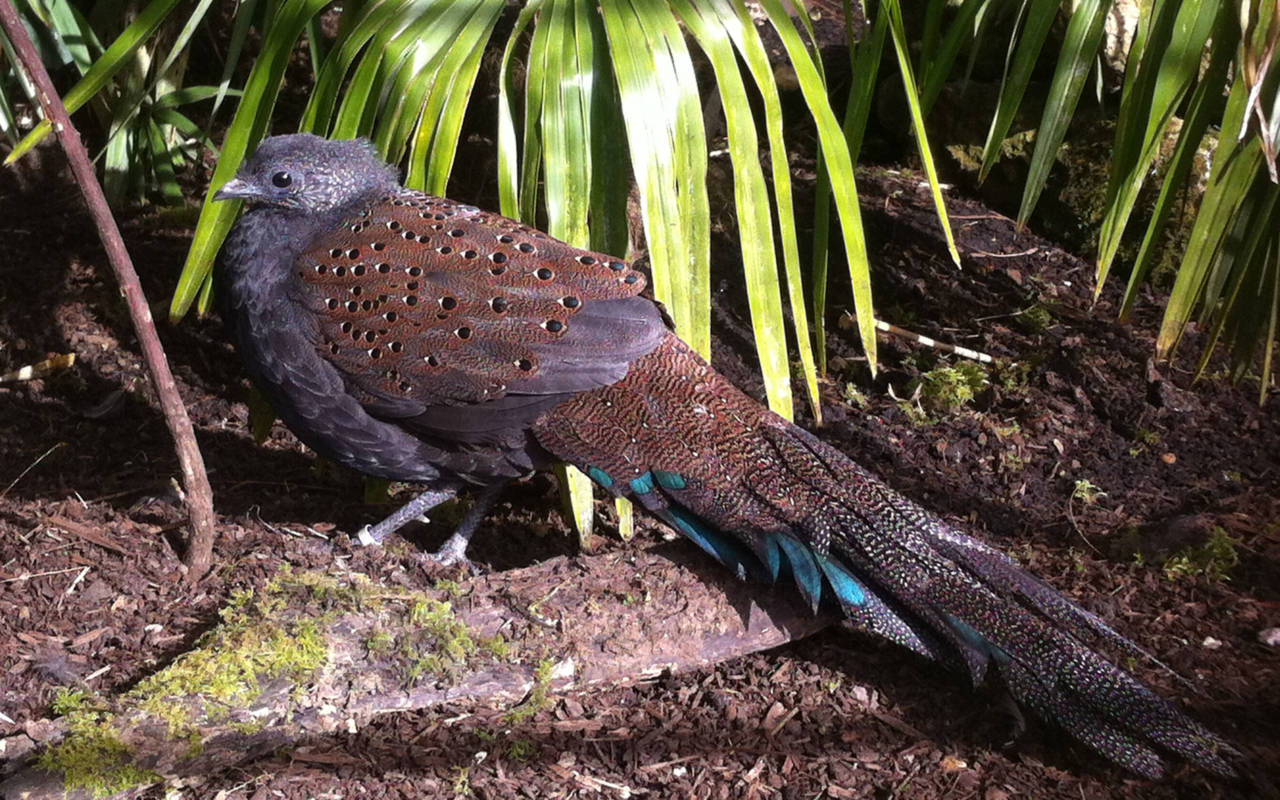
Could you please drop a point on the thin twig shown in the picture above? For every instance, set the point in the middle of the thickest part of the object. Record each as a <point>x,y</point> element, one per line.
<point>199,495</point>
<point>30,467</point>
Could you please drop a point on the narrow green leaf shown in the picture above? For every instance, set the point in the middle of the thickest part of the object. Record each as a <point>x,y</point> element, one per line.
<point>170,117</point>
<point>73,33</point>
<point>535,78</point>
<point>836,152</point>
<point>1227,190</point>
<point>453,96</point>
<point>1204,107</point>
<point>180,43</point>
<point>563,67</point>
<point>1272,260</point>
<point>162,168</point>
<point>755,228</point>
<point>508,152</point>
<point>119,54</point>
<point>118,167</point>
<point>1158,92</point>
<point>189,94</point>
<point>1080,45</point>
<point>746,38</point>
<point>575,491</point>
<point>936,67</point>
<point>902,47</point>
<point>659,97</point>
<point>626,519</point>
<point>239,33</point>
<point>1040,15</point>
<point>252,116</point>
<point>384,19</point>
<point>865,60</point>
<point>374,81</point>
<point>610,169</point>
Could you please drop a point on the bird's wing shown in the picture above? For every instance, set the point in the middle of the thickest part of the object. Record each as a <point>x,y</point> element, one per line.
<point>447,318</point>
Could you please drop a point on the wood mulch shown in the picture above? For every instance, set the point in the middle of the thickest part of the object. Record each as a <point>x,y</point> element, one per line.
<point>89,579</point>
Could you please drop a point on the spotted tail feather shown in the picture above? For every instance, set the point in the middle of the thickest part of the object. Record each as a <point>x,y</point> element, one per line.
<point>770,500</point>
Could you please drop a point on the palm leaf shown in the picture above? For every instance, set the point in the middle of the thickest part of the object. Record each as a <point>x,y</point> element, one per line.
<point>1084,32</point>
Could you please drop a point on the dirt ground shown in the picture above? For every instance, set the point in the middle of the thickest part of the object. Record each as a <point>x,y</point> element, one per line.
<point>1079,456</point>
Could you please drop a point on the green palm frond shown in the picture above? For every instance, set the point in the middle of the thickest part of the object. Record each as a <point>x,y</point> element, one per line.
<point>137,82</point>
<point>1183,59</point>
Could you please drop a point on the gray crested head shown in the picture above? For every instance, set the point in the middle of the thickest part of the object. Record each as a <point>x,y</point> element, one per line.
<point>309,173</point>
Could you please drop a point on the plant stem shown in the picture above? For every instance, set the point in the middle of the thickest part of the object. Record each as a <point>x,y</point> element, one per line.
<point>199,496</point>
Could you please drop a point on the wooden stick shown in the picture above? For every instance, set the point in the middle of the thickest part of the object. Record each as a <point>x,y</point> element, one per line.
<point>199,497</point>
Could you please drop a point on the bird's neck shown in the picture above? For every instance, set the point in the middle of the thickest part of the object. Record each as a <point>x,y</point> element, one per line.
<point>265,242</point>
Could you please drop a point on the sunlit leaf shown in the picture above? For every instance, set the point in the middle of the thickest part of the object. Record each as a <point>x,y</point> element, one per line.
<point>836,154</point>
<point>252,117</point>
<point>118,55</point>
<point>1162,79</point>
<point>902,47</point>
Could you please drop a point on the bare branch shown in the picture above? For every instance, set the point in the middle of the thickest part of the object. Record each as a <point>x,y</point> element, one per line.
<point>199,496</point>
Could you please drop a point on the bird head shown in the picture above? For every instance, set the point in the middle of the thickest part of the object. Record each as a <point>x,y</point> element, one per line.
<point>309,173</point>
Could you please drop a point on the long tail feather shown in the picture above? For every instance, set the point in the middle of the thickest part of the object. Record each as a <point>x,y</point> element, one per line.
<point>768,499</point>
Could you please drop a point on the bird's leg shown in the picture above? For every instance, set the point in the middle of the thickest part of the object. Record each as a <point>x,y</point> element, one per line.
<point>412,510</point>
<point>454,549</point>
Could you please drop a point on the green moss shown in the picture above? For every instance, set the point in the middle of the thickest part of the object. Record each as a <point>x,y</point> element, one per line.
<point>522,749</point>
<point>67,701</point>
<point>1005,430</point>
<point>497,647</point>
<point>1037,319</point>
<point>246,727</point>
<point>437,643</point>
<point>1086,492</point>
<point>229,663</point>
<point>854,397</point>
<point>1011,461</point>
<point>537,699</point>
<point>356,593</point>
<point>450,589</point>
<point>422,665</point>
<point>1015,377</point>
<point>279,632</point>
<point>93,758</point>
<point>435,619</point>
<point>461,782</point>
<point>1212,560</point>
<point>379,643</point>
<point>948,389</point>
<point>916,415</point>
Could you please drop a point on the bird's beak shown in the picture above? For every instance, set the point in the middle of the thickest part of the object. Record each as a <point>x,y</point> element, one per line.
<point>235,189</point>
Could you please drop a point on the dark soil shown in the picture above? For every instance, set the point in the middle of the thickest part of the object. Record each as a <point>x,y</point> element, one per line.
<point>89,523</point>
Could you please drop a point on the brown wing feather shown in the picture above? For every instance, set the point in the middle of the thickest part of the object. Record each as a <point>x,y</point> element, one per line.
<point>422,302</point>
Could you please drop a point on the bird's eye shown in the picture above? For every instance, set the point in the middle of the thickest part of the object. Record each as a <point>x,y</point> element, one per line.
<point>281,180</point>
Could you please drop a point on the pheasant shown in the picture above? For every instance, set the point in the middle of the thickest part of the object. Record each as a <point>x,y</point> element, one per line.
<point>417,339</point>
